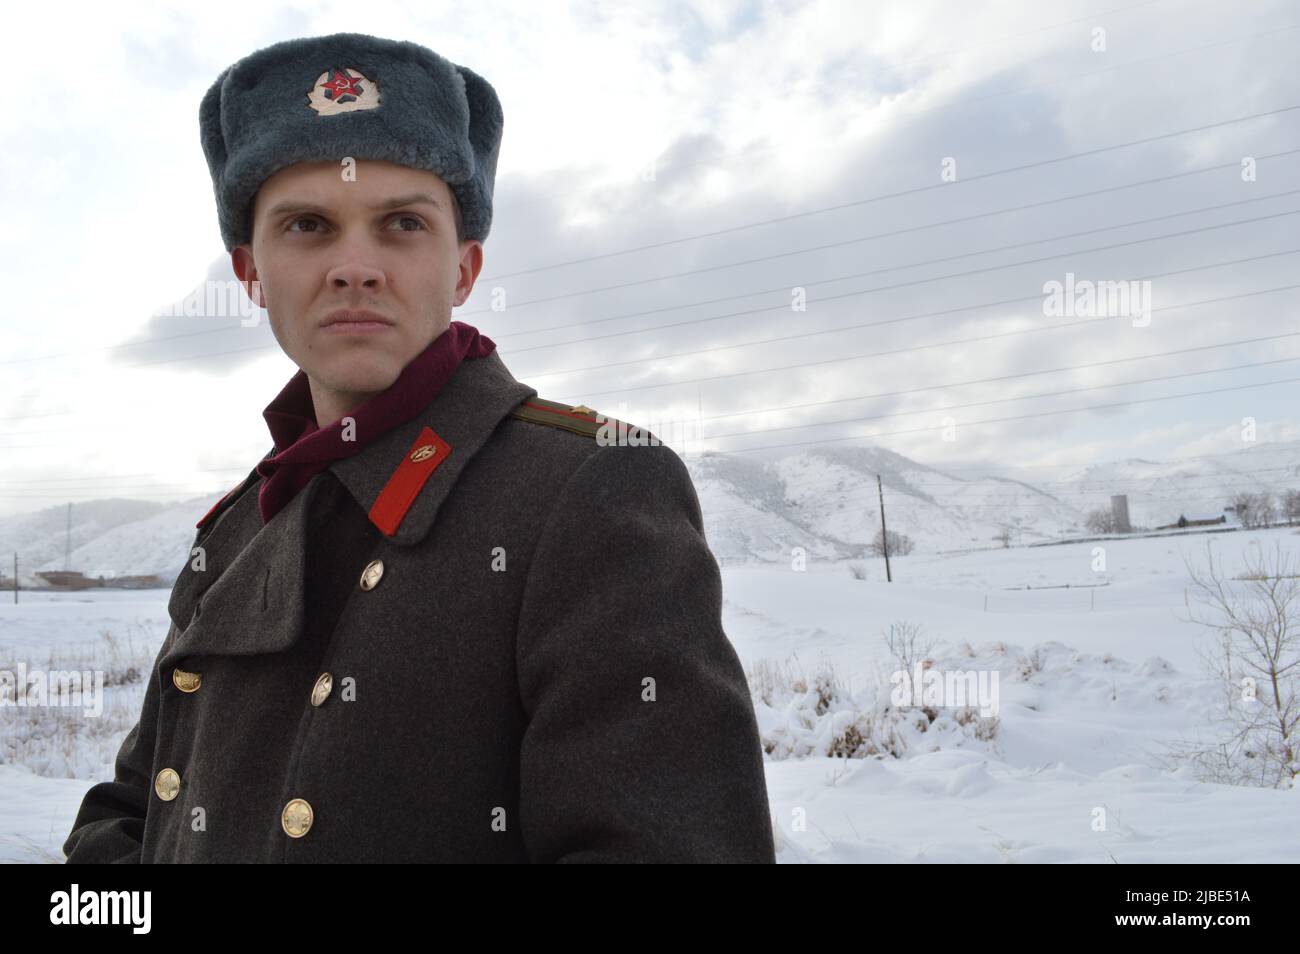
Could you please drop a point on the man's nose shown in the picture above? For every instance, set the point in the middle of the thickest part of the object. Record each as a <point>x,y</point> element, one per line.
<point>355,274</point>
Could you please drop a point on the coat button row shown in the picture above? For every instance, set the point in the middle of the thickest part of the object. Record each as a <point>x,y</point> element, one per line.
<point>296,817</point>
<point>190,681</point>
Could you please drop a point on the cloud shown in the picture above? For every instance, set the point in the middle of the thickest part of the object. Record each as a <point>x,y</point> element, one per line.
<point>749,119</point>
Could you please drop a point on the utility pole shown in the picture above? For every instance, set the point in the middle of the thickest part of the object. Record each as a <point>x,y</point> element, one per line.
<point>699,420</point>
<point>67,544</point>
<point>884,534</point>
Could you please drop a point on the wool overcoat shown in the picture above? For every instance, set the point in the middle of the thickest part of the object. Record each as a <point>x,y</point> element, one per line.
<point>488,636</point>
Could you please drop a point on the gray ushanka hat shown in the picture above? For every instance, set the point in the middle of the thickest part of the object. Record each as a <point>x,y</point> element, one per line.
<point>349,94</point>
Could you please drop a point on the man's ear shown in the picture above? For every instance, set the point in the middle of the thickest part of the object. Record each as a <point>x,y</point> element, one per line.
<point>241,260</point>
<point>471,263</point>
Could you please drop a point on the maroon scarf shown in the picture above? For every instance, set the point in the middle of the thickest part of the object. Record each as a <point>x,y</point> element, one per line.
<point>303,450</point>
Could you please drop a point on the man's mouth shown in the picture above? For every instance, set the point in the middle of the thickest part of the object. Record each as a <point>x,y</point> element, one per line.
<point>356,321</point>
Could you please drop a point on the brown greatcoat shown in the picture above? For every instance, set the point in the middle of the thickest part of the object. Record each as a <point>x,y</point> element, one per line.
<point>530,667</point>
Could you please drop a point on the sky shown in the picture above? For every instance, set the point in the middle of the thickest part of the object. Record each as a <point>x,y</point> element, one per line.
<point>750,227</point>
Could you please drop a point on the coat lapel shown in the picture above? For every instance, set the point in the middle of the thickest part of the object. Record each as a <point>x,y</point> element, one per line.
<point>190,585</point>
<point>253,601</point>
<point>466,411</point>
<point>256,604</point>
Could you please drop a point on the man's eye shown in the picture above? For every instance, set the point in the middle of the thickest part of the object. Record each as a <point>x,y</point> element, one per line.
<point>409,218</point>
<point>416,224</point>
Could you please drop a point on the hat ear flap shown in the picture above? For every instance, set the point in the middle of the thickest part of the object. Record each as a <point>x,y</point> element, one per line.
<point>485,124</point>
<point>213,140</point>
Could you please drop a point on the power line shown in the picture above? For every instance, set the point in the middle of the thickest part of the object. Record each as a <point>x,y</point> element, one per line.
<point>932,261</point>
<point>1019,417</point>
<point>1027,397</point>
<point>938,344</point>
<point>501,337</point>
<point>805,335</point>
<point>785,289</point>
<point>900,193</point>
<point>1036,373</point>
<point>935,278</point>
<point>953,384</point>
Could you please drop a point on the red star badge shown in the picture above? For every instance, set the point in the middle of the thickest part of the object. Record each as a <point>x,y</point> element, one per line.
<point>341,85</point>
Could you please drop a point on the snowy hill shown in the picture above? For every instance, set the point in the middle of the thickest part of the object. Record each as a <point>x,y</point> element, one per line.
<point>836,489</point>
<point>1159,492</point>
<point>823,500</point>
<point>158,544</point>
<point>112,537</point>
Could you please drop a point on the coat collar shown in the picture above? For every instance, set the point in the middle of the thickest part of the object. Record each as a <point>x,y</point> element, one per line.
<point>250,598</point>
<point>478,396</point>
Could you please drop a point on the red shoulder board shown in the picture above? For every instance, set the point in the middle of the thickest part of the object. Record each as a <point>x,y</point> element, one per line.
<point>577,419</point>
<point>218,505</point>
<point>425,456</point>
<point>233,491</point>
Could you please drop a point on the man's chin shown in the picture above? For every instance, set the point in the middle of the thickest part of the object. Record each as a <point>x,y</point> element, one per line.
<point>357,374</point>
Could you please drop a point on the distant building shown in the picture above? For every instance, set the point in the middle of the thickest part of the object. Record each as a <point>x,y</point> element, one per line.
<point>1119,513</point>
<point>134,582</point>
<point>67,580</point>
<point>1184,521</point>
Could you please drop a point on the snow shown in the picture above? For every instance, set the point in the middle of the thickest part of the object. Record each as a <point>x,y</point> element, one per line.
<point>1093,681</point>
<point>1120,677</point>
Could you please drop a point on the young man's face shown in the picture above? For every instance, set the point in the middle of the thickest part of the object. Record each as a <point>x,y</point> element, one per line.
<point>384,244</point>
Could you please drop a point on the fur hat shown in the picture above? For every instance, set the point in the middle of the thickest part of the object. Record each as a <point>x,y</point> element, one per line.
<point>349,94</point>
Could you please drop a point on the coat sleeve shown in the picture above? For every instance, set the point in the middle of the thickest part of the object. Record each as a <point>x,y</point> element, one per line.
<point>641,744</point>
<point>109,827</point>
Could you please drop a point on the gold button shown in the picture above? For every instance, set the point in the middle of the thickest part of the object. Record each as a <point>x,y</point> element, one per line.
<point>186,681</point>
<point>371,574</point>
<point>296,818</point>
<point>321,691</point>
<point>167,784</point>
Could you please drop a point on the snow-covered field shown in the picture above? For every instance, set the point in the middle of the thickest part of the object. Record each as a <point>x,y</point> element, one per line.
<point>1093,682</point>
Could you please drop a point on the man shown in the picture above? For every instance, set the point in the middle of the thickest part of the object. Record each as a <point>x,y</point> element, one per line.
<point>443,619</point>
